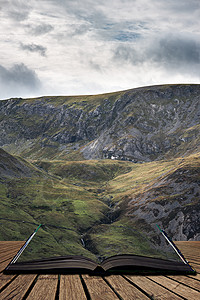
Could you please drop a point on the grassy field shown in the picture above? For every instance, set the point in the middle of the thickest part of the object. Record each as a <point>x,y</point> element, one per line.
<point>83,204</point>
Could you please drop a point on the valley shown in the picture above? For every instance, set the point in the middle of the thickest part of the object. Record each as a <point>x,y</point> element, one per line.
<point>99,172</point>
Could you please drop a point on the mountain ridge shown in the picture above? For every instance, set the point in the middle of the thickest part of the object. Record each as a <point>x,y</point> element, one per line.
<point>140,124</point>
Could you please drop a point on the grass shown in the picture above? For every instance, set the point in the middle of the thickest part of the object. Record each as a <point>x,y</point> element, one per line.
<point>139,178</point>
<point>123,237</point>
<point>73,199</point>
<point>85,102</point>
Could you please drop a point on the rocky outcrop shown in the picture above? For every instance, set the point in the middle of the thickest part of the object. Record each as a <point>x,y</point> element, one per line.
<point>172,203</point>
<point>138,125</point>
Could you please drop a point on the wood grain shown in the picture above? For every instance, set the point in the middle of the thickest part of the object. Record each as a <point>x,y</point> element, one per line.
<point>189,248</point>
<point>10,245</point>
<point>196,277</point>
<point>4,264</point>
<point>196,261</point>
<point>124,288</point>
<point>98,288</point>
<point>8,254</point>
<point>71,288</point>
<point>153,289</point>
<point>7,251</point>
<point>18,287</point>
<point>196,267</point>
<point>187,281</point>
<point>45,288</point>
<point>176,287</point>
<point>4,279</point>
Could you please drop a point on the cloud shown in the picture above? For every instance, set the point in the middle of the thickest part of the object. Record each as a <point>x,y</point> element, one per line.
<point>175,51</point>
<point>18,80</point>
<point>41,29</point>
<point>34,48</point>
<point>171,52</point>
<point>18,10</point>
<point>183,6</point>
<point>125,36</point>
<point>117,44</point>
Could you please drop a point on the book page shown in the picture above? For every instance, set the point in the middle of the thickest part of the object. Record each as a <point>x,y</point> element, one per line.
<point>55,241</point>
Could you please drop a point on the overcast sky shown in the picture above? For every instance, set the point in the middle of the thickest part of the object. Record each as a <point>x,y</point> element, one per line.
<point>70,47</point>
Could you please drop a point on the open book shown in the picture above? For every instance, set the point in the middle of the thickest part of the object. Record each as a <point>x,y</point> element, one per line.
<point>116,264</point>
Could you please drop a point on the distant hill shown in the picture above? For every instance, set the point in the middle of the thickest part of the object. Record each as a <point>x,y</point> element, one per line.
<point>15,167</point>
<point>99,170</point>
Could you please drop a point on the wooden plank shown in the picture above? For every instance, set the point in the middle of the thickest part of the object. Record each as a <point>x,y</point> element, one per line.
<point>196,267</point>
<point>11,245</point>
<point>4,279</point>
<point>191,255</point>
<point>8,255</point>
<point>153,289</point>
<point>192,258</point>
<point>196,277</point>
<point>187,281</point>
<point>5,250</point>
<point>8,251</point>
<point>188,243</point>
<point>45,288</point>
<point>189,247</point>
<point>18,287</point>
<point>176,287</point>
<point>124,288</point>
<point>4,264</point>
<point>8,258</point>
<point>98,288</point>
<point>71,288</point>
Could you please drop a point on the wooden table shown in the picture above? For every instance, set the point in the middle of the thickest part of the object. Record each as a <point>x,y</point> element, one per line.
<point>78,287</point>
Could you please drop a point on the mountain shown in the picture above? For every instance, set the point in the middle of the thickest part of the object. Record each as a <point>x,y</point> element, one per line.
<point>101,170</point>
<point>138,125</point>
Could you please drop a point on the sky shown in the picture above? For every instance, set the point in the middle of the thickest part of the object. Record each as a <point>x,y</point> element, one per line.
<point>73,47</point>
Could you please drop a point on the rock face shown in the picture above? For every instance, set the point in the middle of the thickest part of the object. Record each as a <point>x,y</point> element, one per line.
<point>138,125</point>
<point>173,203</point>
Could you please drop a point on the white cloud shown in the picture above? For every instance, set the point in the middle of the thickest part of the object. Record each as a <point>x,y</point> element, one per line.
<point>87,46</point>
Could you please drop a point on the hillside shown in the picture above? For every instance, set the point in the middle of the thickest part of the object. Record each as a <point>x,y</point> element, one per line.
<point>15,167</point>
<point>99,172</point>
<point>142,124</point>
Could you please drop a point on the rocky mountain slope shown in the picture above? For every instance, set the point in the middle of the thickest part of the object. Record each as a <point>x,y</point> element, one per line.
<point>138,125</point>
<point>172,200</point>
<point>101,169</point>
<point>15,167</point>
